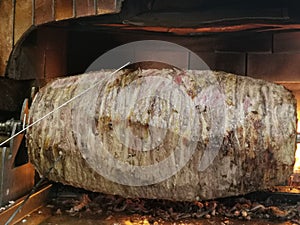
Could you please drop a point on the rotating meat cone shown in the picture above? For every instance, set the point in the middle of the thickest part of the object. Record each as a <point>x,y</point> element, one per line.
<point>169,134</point>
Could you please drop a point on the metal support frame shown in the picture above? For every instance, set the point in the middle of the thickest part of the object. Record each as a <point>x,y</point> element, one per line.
<point>35,201</point>
<point>14,181</point>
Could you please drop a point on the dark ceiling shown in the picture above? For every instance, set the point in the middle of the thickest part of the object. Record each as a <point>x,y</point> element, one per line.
<point>198,14</point>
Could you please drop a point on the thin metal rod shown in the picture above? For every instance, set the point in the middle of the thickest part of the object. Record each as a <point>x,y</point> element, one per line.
<point>59,107</point>
<point>24,120</point>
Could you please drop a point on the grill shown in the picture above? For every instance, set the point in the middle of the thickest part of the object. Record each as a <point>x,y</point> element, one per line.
<point>44,40</point>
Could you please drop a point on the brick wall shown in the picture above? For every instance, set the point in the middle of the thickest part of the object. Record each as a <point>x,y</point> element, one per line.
<point>270,56</point>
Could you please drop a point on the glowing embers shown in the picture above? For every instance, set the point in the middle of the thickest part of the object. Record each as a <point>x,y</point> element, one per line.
<point>297,154</point>
<point>295,177</point>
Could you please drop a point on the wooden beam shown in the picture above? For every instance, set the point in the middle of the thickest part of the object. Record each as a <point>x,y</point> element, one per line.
<point>23,18</point>
<point>85,7</point>
<point>44,11</point>
<point>64,9</point>
<point>6,33</point>
<point>107,6</point>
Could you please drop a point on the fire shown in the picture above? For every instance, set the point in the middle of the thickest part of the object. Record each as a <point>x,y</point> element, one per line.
<point>297,160</point>
<point>297,155</point>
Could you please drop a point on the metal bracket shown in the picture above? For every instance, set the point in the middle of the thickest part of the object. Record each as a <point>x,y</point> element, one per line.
<point>15,181</point>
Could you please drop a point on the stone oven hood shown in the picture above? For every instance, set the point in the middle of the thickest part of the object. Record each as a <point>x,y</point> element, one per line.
<point>198,17</point>
<point>194,17</point>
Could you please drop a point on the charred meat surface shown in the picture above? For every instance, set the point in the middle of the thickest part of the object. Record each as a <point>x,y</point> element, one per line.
<point>166,134</point>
